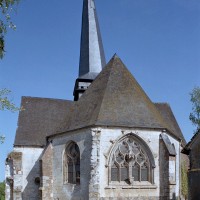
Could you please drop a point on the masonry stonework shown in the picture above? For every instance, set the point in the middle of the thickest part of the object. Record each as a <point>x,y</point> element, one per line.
<point>63,190</point>
<point>46,178</point>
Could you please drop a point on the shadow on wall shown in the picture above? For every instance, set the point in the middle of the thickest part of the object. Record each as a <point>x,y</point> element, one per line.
<point>164,171</point>
<point>84,171</point>
<point>194,186</point>
<point>167,198</point>
<point>31,190</point>
<point>174,196</point>
<point>78,192</point>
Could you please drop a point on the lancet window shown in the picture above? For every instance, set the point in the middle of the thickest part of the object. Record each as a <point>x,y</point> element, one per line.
<point>130,162</point>
<point>72,164</point>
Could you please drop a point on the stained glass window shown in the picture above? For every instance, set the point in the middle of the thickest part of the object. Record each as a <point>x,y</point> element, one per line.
<point>72,164</point>
<point>115,173</point>
<point>136,172</point>
<point>130,162</point>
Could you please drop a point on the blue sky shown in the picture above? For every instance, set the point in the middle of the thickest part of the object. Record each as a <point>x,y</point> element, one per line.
<point>158,40</point>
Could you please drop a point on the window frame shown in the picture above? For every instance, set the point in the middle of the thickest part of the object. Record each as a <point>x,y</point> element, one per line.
<point>151,164</point>
<point>67,155</point>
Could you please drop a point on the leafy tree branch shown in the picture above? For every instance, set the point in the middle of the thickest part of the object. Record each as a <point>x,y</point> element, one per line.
<point>195,114</point>
<point>6,104</point>
<point>6,8</point>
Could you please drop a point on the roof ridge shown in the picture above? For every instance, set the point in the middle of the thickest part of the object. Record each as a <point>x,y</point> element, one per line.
<point>160,117</point>
<point>112,60</point>
<point>45,98</point>
<point>170,120</point>
<point>162,103</point>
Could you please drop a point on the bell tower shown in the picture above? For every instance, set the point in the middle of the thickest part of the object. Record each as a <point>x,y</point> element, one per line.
<point>92,58</point>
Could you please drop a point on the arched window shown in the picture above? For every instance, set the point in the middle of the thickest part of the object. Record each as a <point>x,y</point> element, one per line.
<point>72,164</point>
<point>131,161</point>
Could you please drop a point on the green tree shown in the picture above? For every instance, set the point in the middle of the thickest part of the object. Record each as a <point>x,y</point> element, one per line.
<point>2,190</point>
<point>6,104</point>
<point>195,114</point>
<point>6,9</point>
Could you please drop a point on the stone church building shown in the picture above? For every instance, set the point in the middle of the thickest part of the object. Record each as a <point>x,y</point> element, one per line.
<point>112,142</point>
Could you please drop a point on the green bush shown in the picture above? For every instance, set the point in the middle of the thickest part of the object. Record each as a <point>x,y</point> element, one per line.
<point>2,190</point>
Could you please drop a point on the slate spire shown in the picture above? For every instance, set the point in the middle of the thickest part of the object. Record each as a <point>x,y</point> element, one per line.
<point>92,58</point>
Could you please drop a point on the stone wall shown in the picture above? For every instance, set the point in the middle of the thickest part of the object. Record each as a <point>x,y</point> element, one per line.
<point>95,147</point>
<point>14,176</point>
<point>62,190</point>
<point>46,179</point>
<point>94,187</point>
<point>21,170</point>
<point>108,138</point>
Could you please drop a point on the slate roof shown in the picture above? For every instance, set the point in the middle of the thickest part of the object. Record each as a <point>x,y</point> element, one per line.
<point>116,99</point>
<point>170,120</point>
<point>40,118</point>
<point>92,58</point>
<point>113,99</point>
<point>89,76</point>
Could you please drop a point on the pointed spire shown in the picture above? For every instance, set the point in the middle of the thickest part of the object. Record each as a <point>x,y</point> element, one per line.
<point>92,58</point>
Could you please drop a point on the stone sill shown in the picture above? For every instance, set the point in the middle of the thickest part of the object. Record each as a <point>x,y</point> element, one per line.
<point>172,183</point>
<point>132,187</point>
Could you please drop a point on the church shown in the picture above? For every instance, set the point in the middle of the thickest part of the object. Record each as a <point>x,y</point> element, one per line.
<point>111,143</point>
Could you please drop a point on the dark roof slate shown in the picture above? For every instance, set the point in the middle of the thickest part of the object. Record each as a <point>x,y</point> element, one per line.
<point>169,118</point>
<point>115,99</point>
<point>188,147</point>
<point>40,118</point>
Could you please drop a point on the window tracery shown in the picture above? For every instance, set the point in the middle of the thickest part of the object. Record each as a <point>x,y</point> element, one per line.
<point>130,162</point>
<point>72,164</point>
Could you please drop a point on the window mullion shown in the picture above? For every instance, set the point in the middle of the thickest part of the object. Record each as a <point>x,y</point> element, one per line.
<point>130,171</point>
<point>119,173</point>
<point>74,172</point>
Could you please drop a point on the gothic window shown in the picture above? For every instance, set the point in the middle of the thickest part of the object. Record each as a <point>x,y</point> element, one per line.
<point>72,164</point>
<point>130,162</point>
